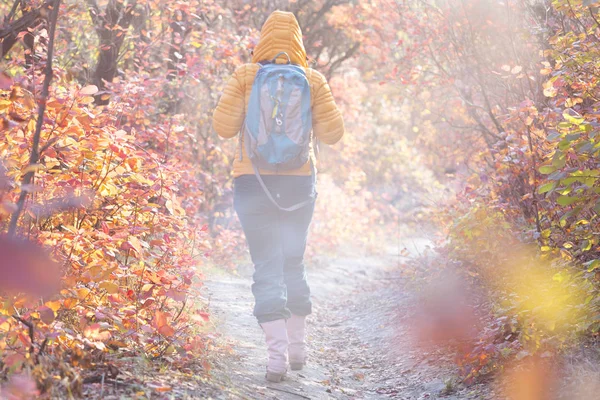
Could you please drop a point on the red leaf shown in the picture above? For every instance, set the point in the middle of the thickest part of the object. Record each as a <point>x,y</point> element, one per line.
<point>26,267</point>
<point>176,295</point>
<point>5,81</point>
<point>204,315</point>
<point>46,314</point>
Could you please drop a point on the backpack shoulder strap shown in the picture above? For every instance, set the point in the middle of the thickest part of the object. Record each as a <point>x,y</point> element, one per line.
<point>241,134</point>
<point>309,73</point>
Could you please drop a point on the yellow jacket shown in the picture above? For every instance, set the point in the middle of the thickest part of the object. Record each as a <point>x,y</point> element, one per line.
<point>280,33</point>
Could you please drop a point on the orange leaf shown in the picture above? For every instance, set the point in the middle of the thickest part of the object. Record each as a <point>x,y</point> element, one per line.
<point>86,100</point>
<point>83,292</point>
<point>94,332</point>
<point>160,319</point>
<point>89,90</point>
<point>152,277</point>
<point>53,305</point>
<point>166,330</point>
<point>70,303</point>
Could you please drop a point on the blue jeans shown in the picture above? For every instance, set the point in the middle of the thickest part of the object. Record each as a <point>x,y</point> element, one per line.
<point>277,240</point>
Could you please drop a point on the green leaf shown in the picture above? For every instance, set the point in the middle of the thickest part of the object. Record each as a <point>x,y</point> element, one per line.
<point>584,147</point>
<point>557,175</point>
<point>576,120</point>
<point>589,182</point>
<point>592,265</point>
<point>567,200</point>
<point>554,135</point>
<point>559,161</point>
<point>572,137</point>
<point>564,144</point>
<point>546,187</point>
<point>586,245</point>
<point>565,126</point>
<point>547,169</point>
<point>569,181</point>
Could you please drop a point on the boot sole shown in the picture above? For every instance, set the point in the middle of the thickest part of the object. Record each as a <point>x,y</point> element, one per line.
<point>296,366</point>
<point>275,377</point>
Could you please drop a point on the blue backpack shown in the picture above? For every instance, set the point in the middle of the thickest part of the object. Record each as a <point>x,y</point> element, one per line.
<point>278,125</point>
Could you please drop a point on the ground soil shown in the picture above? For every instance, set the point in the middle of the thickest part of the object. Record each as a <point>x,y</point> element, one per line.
<point>360,340</point>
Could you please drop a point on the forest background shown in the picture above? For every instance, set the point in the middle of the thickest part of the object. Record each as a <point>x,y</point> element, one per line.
<point>478,115</point>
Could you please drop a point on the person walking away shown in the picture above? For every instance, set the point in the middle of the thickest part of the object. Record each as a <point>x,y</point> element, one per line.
<point>277,105</point>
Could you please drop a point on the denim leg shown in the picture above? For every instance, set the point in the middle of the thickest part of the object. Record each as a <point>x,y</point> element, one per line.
<point>294,233</point>
<point>260,222</point>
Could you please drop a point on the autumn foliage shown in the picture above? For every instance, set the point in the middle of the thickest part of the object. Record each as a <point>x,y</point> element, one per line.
<point>129,194</point>
<point>116,198</point>
<point>508,100</point>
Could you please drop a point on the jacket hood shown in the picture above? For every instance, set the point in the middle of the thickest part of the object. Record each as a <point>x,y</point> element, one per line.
<point>281,32</point>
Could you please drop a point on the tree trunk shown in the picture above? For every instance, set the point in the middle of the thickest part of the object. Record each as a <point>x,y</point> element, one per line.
<point>111,26</point>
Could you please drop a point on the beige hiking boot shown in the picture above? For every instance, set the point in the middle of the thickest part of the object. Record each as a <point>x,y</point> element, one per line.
<point>296,327</point>
<point>277,347</point>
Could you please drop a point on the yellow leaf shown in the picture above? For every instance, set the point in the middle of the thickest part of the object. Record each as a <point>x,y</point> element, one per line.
<point>53,305</point>
<point>147,287</point>
<point>86,100</point>
<point>32,168</point>
<point>83,292</point>
<point>110,287</point>
<point>136,244</point>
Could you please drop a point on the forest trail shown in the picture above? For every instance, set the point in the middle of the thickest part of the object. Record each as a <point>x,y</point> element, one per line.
<point>359,341</point>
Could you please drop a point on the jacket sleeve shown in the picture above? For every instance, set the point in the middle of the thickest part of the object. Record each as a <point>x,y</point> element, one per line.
<point>229,115</point>
<point>328,124</point>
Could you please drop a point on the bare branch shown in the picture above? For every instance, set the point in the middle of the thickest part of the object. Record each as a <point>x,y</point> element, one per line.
<point>9,33</point>
<point>34,157</point>
<point>349,53</point>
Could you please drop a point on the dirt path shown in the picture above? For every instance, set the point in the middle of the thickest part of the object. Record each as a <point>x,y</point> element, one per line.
<point>359,342</point>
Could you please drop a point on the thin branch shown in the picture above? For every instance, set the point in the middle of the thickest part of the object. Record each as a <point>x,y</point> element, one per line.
<point>594,17</point>
<point>535,179</point>
<point>13,11</point>
<point>343,58</point>
<point>34,157</point>
<point>94,11</point>
<point>30,331</point>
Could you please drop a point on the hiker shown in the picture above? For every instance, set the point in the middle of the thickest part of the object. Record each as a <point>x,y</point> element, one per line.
<point>278,105</point>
